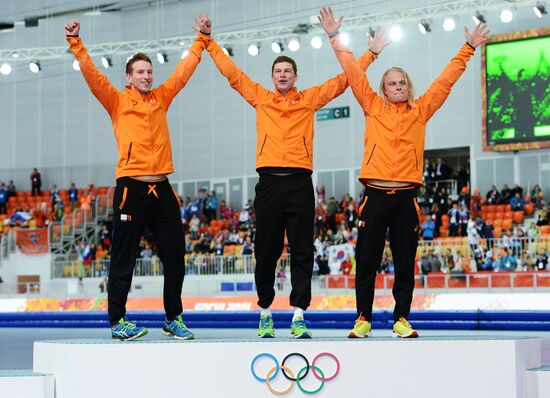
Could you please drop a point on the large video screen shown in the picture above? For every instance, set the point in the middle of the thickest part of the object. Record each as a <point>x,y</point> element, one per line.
<point>516,98</point>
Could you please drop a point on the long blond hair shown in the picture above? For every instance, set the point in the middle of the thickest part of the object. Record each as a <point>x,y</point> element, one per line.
<point>410,85</point>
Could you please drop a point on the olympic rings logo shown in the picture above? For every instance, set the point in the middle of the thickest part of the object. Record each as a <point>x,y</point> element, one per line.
<point>294,378</point>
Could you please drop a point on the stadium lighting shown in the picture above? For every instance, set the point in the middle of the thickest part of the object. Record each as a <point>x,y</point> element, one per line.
<point>5,69</point>
<point>227,50</point>
<point>479,18</point>
<point>506,15</point>
<point>539,9</point>
<point>253,49</point>
<point>424,27</point>
<point>344,38</point>
<point>106,61</point>
<point>277,46</point>
<point>162,57</point>
<point>293,45</point>
<point>76,65</point>
<point>449,24</point>
<point>396,33</point>
<point>34,66</point>
<point>316,42</point>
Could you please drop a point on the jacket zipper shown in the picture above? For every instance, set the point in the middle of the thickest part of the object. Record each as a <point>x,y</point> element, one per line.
<point>129,153</point>
<point>305,146</point>
<point>263,143</point>
<point>372,153</point>
<point>415,160</point>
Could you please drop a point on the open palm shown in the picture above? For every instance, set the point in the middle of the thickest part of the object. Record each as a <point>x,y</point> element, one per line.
<point>479,35</point>
<point>329,24</point>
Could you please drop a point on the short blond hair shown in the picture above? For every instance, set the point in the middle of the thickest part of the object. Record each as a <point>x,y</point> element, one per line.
<point>410,85</point>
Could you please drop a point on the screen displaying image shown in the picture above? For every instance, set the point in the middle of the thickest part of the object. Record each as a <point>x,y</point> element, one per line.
<point>517,92</point>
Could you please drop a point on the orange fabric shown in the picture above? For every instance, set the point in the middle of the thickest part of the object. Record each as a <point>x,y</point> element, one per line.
<point>123,202</point>
<point>152,190</point>
<point>284,125</point>
<point>360,210</point>
<point>394,133</point>
<point>140,125</point>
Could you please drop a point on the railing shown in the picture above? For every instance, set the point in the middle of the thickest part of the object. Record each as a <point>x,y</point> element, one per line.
<point>450,185</point>
<point>492,281</point>
<point>63,267</point>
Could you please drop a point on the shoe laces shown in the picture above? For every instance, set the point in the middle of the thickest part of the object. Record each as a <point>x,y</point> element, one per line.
<point>127,324</point>
<point>360,321</point>
<point>265,321</point>
<point>405,322</point>
<point>300,323</point>
<point>179,322</point>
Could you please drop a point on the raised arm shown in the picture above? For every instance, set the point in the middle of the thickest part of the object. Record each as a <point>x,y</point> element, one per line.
<point>98,83</point>
<point>440,89</point>
<point>185,68</point>
<point>246,87</point>
<point>354,72</point>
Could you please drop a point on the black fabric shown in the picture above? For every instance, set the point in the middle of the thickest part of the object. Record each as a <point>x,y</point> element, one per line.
<point>284,203</point>
<point>160,214</point>
<point>383,209</point>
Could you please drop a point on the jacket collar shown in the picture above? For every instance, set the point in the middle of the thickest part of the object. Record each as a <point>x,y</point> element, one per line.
<point>135,94</point>
<point>291,95</point>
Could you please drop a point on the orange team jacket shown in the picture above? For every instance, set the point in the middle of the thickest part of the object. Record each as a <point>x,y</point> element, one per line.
<point>284,125</point>
<point>394,133</point>
<point>140,125</point>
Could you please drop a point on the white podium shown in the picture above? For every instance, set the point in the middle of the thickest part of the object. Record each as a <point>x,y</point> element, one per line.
<point>429,367</point>
<point>26,384</point>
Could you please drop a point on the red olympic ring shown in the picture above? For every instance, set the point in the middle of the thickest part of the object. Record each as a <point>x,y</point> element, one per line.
<point>326,354</point>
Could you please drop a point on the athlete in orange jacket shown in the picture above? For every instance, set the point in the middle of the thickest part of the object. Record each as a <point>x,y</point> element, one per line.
<point>143,196</point>
<point>395,126</point>
<point>284,160</point>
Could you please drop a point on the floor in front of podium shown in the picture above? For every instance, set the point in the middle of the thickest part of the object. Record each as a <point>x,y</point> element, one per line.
<point>16,344</point>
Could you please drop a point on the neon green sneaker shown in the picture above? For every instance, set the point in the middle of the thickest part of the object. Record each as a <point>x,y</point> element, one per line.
<point>361,329</point>
<point>403,329</point>
<point>299,329</point>
<point>265,330</point>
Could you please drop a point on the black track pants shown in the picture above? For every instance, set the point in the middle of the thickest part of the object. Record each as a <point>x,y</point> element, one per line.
<point>284,203</point>
<point>381,209</point>
<point>137,205</point>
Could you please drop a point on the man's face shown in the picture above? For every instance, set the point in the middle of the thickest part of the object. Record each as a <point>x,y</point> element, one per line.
<point>141,77</point>
<point>283,77</point>
<point>395,87</point>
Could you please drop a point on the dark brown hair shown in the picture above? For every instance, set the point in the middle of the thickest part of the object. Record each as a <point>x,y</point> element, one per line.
<point>136,57</point>
<point>284,58</point>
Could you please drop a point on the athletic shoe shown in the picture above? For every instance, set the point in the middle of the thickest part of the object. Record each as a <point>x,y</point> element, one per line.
<point>265,330</point>
<point>403,329</point>
<point>126,331</point>
<point>177,329</point>
<point>361,329</point>
<point>299,329</point>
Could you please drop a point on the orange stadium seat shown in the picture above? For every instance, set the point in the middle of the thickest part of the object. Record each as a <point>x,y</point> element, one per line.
<point>497,223</point>
<point>507,223</point>
<point>529,208</point>
<point>500,208</point>
<point>518,217</point>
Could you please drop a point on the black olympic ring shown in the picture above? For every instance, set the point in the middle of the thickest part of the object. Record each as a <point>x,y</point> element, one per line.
<point>297,354</point>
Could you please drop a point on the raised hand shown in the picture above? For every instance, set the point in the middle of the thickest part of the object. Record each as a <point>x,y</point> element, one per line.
<point>72,28</point>
<point>379,41</point>
<point>205,24</point>
<point>479,35</point>
<point>329,24</point>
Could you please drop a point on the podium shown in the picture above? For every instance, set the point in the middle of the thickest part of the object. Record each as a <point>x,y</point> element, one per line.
<point>428,367</point>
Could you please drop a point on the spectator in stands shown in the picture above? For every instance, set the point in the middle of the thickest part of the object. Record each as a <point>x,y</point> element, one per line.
<point>537,197</point>
<point>517,189</point>
<point>526,261</point>
<point>442,197</point>
<point>350,215</point>
<point>493,197</point>
<point>487,264</point>
<point>55,196</point>
<point>194,226</point>
<point>244,217</point>
<point>508,261</point>
<point>194,208</point>
<point>210,207</point>
<point>332,209</point>
<point>475,203</point>
<point>442,170</point>
<point>346,201</point>
<point>463,176</point>
<point>541,261</point>
<point>473,234</point>
<point>3,199</point>
<point>464,196</point>
<point>11,189</point>
<point>36,183</point>
<point>487,230</point>
<point>428,228</point>
<point>453,220</point>
<point>73,197</point>
<point>321,193</point>
<point>533,232</point>
<point>505,194</point>
<point>320,218</point>
<point>226,212</point>
<point>428,173</point>
<point>463,218</point>
<point>422,198</point>
<point>517,203</point>
<point>248,246</point>
<point>543,216</point>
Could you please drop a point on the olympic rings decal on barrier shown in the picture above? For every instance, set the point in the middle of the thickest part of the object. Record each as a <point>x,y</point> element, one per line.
<point>294,377</point>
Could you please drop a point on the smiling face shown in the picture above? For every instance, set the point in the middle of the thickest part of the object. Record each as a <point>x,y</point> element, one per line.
<point>284,77</point>
<point>141,76</point>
